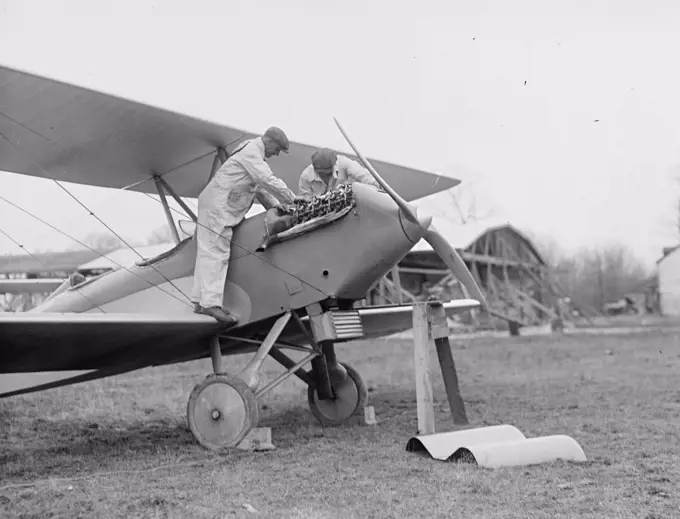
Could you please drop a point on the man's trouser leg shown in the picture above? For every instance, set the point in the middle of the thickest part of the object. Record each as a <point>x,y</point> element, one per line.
<point>203,234</point>
<point>212,263</point>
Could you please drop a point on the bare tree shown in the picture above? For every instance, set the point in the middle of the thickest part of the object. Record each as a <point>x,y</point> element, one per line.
<point>549,249</point>
<point>465,203</point>
<point>594,276</point>
<point>159,235</point>
<point>103,241</point>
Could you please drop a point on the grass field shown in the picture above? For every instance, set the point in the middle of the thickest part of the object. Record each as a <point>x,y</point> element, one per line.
<point>120,447</point>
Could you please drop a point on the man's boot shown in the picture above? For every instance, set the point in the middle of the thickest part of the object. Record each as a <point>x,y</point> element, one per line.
<point>219,314</point>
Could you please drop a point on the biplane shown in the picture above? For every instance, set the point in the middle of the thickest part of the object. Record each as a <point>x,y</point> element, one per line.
<point>293,288</point>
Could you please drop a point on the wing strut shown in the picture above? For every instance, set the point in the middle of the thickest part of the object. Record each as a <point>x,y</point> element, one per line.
<point>220,158</point>
<point>166,208</point>
<point>181,202</point>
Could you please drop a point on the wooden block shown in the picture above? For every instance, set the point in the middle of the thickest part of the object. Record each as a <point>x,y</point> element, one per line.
<point>258,439</point>
<point>369,415</point>
<point>439,325</point>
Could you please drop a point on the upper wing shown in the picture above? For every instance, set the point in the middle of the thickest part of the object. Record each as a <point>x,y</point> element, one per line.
<point>33,342</point>
<point>70,133</point>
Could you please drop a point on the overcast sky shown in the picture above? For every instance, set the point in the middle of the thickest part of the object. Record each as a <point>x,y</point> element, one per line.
<point>562,117</point>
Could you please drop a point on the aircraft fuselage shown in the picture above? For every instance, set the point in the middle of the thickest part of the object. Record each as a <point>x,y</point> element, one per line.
<point>342,260</point>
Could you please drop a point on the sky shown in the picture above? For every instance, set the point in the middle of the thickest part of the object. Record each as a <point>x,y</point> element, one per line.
<point>561,117</point>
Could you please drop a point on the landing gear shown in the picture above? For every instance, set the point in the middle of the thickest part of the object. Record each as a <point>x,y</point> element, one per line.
<point>221,411</point>
<point>348,398</point>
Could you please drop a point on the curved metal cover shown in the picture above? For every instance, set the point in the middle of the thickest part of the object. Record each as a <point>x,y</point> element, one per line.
<point>496,446</point>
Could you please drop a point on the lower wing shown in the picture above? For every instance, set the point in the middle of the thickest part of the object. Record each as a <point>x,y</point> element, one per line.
<point>43,350</point>
<point>40,351</point>
<point>385,320</point>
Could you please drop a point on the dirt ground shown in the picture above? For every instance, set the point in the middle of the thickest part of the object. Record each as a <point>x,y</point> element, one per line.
<point>121,447</point>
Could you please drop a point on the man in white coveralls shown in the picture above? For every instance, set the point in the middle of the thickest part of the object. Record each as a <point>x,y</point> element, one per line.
<point>328,170</point>
<point>223,204</point>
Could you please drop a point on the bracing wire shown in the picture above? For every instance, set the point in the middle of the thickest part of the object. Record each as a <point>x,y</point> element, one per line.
<point>125,188</point>
<point>251,253</point>
<point>89,300</point>
<point>90,248</point>
<point>121,239</point>
<point>99,219</point>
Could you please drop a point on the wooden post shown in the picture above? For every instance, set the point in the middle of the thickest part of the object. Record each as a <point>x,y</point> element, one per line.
<point>440,334</point>
<point>397,284</point>
<point>430,326</point>
<point>421,357</point>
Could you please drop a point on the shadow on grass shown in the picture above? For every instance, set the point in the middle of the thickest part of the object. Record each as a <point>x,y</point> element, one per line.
<point>64,447</point>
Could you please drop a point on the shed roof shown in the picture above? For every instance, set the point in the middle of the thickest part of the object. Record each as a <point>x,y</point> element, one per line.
<point>667,251</point>
<point>462,236</point>
<point>65,261</point>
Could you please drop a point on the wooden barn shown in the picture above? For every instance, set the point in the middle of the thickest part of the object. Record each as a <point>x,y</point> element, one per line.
<point>507,266</point>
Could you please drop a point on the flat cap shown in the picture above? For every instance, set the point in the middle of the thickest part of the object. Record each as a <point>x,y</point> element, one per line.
<point>276,134</point>
<point>324,159</point>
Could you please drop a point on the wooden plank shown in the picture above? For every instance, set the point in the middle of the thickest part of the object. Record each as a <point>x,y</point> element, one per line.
<point>421,357</point>
<point>538,305</point>
<point>397,284</point>
<point>404,292</point>
<point>507,318</point>
<point>543,283</point>
<point>447,364</point>
<point>507,248</point>
<point>494,260</point>
<point>513,292</point>
<point>450,279</point>
<point>475,273</point>
<point>424,271</point>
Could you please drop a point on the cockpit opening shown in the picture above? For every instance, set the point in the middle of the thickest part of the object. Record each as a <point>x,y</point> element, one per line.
<point>165,255</point>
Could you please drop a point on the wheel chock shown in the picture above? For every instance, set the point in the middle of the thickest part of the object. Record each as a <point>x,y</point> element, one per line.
<point>258,439</point>
<point>496,446</point>
<point>369,415</point>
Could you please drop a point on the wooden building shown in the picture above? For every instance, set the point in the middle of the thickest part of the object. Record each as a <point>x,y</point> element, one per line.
<point>60,265</point>
<point>48,265</point>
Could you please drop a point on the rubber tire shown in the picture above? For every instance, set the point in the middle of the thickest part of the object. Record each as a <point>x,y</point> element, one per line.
<point>252,414</point>
<point>362,397</point>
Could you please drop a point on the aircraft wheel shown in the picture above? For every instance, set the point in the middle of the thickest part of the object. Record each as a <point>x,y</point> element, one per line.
<point>221,411</point>
<point>350,397</point>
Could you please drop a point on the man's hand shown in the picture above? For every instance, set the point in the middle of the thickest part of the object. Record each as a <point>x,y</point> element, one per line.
<point>282,210</point>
